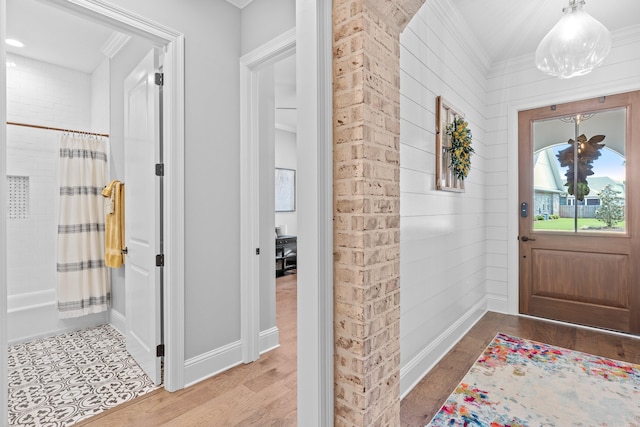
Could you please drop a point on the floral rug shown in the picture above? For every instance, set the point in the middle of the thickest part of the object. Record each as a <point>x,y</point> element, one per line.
<point>518,382</point>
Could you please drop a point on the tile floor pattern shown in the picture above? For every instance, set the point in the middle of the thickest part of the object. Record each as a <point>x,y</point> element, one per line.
<point>58,381</point>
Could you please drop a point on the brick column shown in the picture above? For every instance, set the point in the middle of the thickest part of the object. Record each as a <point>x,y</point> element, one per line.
<point>366,72</point>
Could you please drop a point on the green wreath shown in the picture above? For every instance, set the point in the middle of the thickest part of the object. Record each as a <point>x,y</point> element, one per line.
<point>460,148</point>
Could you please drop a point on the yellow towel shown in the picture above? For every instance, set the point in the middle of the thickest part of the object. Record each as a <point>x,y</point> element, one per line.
<point>114,225</point>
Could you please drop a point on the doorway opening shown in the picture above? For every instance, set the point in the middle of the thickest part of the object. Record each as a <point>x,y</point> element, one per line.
<point>269,227</point>
<point>142,35</point>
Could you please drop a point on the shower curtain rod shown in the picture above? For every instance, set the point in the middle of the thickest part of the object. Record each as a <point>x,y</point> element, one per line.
<point>58,129</point>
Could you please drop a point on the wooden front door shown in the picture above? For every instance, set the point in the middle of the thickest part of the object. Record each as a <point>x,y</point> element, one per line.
<point>579,219</point>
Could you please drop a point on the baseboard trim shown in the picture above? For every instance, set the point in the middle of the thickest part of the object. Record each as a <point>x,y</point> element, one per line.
<point>497,303</point>
<point>212,363</point>
<point>118,321</point>
<point>221,359</point>
<point>269,340</point>
<point>423,362</point>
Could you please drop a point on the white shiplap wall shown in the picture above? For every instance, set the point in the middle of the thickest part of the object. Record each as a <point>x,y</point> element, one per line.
<point>443,235</point>
<point>514,86</point>
<point>459,251</point>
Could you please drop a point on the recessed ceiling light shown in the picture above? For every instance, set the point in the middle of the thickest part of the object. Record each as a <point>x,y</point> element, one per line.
<point>14,43</point>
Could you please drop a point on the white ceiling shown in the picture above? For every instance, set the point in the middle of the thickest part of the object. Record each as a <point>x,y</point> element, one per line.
<point>507,28</point>
<point>55,36</point>
<point>285,86</point>
<point>504,29</point>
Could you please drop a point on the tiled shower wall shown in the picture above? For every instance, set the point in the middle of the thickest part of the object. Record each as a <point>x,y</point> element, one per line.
<point>43,94</point>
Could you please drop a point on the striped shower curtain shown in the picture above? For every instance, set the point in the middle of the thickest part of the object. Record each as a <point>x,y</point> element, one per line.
<point>83,279</point>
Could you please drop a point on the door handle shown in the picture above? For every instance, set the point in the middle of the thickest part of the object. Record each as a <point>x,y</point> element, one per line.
<point>525,239</point>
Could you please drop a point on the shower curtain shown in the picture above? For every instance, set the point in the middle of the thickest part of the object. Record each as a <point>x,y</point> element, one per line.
<point>83,279</point>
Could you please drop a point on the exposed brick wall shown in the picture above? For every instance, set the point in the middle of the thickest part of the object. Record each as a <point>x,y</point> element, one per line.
<point>367,209</point>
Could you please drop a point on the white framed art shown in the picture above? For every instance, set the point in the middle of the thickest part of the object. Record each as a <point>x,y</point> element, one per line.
<point>285,190</point>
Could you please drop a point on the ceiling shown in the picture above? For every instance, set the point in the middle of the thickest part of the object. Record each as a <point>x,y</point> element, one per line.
<point>504,29</point>
<point>55,36</point>
<point>58,37</point>
<point>285,86</point>
<point>507,29</point>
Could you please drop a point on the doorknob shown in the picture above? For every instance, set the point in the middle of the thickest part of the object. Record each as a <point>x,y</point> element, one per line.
<point>525,239</point>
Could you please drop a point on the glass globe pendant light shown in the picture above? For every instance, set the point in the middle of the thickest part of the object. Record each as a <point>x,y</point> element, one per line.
<point>575,45</point>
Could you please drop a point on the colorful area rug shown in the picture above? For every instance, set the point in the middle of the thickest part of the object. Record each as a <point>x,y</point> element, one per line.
<point>518,382</point>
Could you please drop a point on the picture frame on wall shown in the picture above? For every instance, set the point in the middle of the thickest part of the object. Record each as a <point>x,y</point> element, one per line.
<point>285,190</point>
<point>446,180</point>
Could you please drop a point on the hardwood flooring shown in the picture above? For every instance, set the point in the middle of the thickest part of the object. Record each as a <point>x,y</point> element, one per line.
<point>422,403</point>
<point>262,393</point>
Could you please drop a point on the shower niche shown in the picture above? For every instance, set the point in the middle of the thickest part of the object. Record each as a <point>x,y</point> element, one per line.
<point>18,197</point>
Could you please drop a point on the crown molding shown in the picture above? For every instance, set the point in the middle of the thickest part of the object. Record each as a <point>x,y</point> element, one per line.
<point>240,4</point>
<point>511,65</point>
<point>626,35</point>
<point>446,12</point>
<point>114,43</point>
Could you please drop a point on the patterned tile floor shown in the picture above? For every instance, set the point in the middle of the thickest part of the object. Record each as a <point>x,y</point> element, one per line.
<point>58,381</point>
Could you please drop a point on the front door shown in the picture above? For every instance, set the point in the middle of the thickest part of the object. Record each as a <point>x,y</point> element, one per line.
<point>142,220</point>
<point>579,217</point>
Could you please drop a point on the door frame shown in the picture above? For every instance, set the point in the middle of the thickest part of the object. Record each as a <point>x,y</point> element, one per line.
<point>621,317</point>
<point>571,94</point>
<point>250,165</point>
<point>313,43</point>
<point>173,132</point>
<point>4,393</point>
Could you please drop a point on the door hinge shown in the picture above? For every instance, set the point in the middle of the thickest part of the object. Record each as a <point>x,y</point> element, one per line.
<point>257,251</point>
<point>160,260</point>
<point>159,169</point>
<point>160,350</point>
<point>160,79</point>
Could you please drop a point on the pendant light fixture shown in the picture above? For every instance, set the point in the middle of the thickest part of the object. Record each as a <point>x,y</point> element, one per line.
<point>575,45</point>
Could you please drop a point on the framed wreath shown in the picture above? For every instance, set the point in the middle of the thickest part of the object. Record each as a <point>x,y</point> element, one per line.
<point>453,147</point>
<point>460,148</point>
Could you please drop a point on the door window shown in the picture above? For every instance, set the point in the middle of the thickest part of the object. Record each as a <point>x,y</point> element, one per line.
<point>580,187</point>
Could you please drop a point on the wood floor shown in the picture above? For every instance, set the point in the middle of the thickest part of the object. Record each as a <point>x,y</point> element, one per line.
<point>422,403</point>
<point>263,393</point>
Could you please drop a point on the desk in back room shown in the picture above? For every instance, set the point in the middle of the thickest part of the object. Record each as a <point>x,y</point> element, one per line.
<point>286,254</point>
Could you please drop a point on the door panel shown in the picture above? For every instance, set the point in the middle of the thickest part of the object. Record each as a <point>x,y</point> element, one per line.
<point>581,235</point>
<point>575,276</point>
<point>142,277</point>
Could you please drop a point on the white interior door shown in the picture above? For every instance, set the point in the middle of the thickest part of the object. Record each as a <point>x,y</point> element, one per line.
<point>142,208</point>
